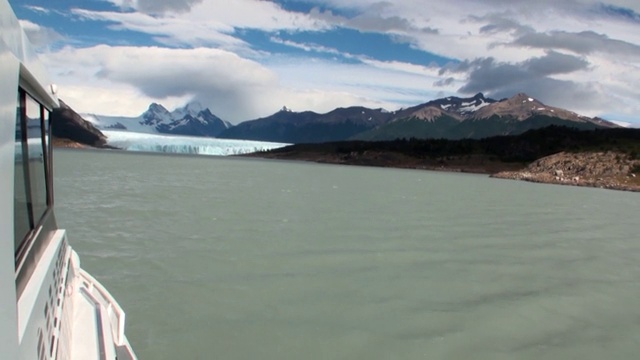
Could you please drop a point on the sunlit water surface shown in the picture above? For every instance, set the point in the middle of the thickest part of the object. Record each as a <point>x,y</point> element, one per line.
<point>221,258</point>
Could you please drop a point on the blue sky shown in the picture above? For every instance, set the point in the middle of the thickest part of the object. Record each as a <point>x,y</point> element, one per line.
<point>247,58</point>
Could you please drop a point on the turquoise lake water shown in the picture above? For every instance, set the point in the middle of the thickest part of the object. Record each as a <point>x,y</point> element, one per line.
<point>234,258</point>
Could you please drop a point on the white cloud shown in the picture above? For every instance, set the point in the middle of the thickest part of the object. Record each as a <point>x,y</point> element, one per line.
<point>170,30</point>
<point>236,89</point>
<point>153,73</point>
<point>510,32</point>
<point>208,22</point>
<point>458,24</point>
<point>38,9</point>
<point>481,29</point>
<point>41,37</point>
<point>309,47</point>
<point>378,84</point>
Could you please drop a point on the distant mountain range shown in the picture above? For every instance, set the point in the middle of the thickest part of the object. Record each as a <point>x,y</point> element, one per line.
<point>309,127</point>
<point>449,118</point>
<point>477,117</point>
<point>192,119</point>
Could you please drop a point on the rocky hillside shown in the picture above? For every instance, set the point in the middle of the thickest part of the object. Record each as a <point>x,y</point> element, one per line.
<point>452,106</point>
<point>69,128</point>
<point>448,118</point>
<point>476,118</point>
<point>610,169</point>
<point>605,157</point>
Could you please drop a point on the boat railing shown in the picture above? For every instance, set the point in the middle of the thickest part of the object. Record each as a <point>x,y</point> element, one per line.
<point>115,313</point>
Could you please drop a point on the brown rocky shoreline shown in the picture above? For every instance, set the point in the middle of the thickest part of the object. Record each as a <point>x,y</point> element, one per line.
<point>608,170</point>
<point>69,144</point>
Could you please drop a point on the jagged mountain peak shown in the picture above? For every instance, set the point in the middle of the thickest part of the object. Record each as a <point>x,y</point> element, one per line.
<point>476,117</point>
<point>191,119</point>
<point>523,106</point>
<point>192,108</point>
<point>523,98</point>
<point>157,108</point>
<point>452,106</point>
<point>155,114</point>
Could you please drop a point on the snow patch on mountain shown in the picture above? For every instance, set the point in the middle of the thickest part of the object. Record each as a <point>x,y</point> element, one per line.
<point>626,124</point>
<point>473,106</point>
<point>456,106</point>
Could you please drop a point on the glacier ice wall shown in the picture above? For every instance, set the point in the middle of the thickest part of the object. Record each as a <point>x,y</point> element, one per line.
<point>185,144</point>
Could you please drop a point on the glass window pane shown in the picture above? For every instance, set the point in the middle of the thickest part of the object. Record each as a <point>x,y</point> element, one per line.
<point>46,123</point>
<point>21,211</point>
<point>37,175</point>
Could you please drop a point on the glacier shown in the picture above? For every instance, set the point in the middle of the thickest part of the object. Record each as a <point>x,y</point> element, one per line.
<point>175,144</point>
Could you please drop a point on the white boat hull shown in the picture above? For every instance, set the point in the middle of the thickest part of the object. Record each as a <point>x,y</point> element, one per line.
<point>81,319</point>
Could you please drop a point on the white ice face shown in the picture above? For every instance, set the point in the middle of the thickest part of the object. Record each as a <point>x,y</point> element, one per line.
<point>185,144</point>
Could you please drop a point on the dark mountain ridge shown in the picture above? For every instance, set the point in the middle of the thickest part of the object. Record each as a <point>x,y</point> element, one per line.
<point>68,125</point>
<point>296,127</point>
<point>449,117</point>
<point>478,117</point>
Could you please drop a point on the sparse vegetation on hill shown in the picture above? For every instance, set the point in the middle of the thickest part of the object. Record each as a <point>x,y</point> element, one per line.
<point>526,147</point>
<point>488,155</point>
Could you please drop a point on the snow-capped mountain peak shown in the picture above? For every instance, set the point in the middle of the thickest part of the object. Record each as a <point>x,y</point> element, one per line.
<point>191,119</point>
<point>193,108</point>
<point>462,105</point>
<point>453,106</point>
<point>157,108</point>
<point>155,115</point>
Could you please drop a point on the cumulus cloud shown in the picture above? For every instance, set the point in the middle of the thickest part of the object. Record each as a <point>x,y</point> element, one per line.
<point>560,52</point>
<point>500,22</point>
<point>468,28</point>
<point>229,82</point>
<point>236,89</point>
<point>177,72</point>
<point>156,6</point>
<point>585,42</point>
<point>160,6</point>
<point>580,54</point>
<point>444,82</point>
<point>41,37</point>
<point>486,74</point>
<point>198,23</point>
<point>539,78</point>
<point>170,31</point>
<point>371,19</point>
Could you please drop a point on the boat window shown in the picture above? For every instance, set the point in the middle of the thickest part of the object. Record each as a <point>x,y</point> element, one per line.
<point>37,163</point>
<point>22,223</point>
<point>32,146</point>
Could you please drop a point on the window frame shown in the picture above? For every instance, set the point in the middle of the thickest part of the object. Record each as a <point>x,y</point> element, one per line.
<point>26,250</point>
